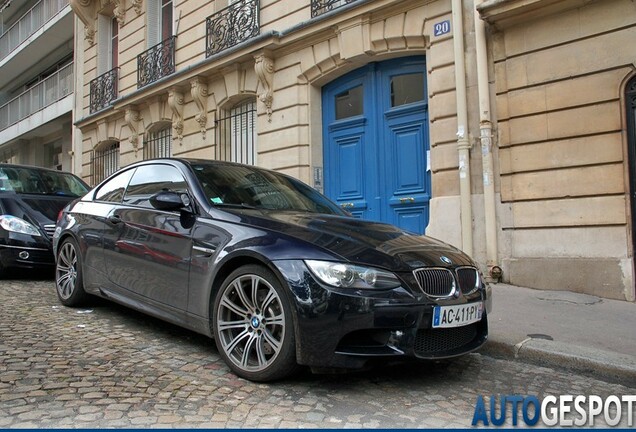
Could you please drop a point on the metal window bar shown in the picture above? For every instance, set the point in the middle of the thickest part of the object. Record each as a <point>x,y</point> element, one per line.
<point>158,144</point>
<point>319,7</point>
<point>45,93</point>
<point>104,163</point>
<point>33,20</point>
<point>232,25</point>
<point>156,63</point>
<point>104,90</point>
<point>236,135</point>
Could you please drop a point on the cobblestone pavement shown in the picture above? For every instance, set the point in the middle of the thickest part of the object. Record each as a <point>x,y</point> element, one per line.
<point>112,367</point>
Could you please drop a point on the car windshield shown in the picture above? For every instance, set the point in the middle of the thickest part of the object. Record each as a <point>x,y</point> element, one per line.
<point>28,180</point>
<point>249,187</point>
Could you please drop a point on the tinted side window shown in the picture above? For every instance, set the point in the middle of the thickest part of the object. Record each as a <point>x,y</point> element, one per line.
<point>113,189</point>
<point>150,179</point>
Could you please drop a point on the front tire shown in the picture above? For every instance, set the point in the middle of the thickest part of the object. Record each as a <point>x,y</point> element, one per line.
<point>253,326</point>
<point>69,283</point>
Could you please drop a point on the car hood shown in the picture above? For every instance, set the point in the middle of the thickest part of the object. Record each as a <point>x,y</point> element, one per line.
<point>360,241</point>
<point>39,209</point>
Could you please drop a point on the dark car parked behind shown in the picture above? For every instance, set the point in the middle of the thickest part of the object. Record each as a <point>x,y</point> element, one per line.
<point>30,200</point>
<point>274,271</point>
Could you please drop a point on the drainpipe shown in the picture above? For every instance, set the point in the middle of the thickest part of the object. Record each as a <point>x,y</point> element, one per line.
<point>463,144</point>
<point>485,134</point>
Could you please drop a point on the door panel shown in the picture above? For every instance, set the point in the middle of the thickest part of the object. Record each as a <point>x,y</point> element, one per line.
<point>375,160</point>
<point>349,167</point>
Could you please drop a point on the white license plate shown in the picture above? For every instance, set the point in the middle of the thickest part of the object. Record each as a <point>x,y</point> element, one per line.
<point>458,315</point>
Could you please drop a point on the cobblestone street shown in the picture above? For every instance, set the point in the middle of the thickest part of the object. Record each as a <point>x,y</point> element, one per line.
<point>108,366</point>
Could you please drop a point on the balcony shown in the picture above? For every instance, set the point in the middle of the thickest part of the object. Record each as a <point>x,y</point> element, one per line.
<point>28,24</point>
<point>104,90</point>
<point>45,93</point>
<point>319,7</point>
<point>156,63</point>
<point>230,26</point>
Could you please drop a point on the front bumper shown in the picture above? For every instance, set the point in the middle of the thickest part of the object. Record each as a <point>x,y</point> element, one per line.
<point>336,329</point>
<point>25,251</point>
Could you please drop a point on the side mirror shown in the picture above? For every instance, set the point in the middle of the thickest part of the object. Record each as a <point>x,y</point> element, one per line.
<point>169,200</point>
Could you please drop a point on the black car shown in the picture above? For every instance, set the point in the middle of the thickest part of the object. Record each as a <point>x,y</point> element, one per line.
<point>30,200</point>
<point>279,275</point>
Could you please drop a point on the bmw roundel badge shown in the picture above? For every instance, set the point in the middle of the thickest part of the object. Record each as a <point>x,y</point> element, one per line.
<point>446,260</point>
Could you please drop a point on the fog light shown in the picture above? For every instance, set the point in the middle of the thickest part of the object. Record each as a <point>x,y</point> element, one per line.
<point>24,255</point>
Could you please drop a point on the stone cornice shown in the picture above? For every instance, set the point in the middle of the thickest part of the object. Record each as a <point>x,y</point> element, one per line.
<point>506,13</point>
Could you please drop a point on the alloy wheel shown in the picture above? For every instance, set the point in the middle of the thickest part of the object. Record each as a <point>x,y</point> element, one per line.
<point>251,323</point>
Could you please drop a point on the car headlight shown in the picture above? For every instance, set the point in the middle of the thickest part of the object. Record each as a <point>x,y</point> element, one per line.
<point>17,225</point>
<point>352,276</point>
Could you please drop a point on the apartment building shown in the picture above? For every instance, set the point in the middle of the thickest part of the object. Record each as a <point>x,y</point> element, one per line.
<point>498,126</point>
<point>36,82</point>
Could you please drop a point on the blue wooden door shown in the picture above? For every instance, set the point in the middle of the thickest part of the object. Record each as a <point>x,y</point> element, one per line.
<point>376,143</point>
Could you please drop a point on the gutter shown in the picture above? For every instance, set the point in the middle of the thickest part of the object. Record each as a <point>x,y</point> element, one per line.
<point>463,144</point>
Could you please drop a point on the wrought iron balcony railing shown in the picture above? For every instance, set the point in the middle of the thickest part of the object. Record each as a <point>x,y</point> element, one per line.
<point>156,63</point>
<point>319,7</point>
<point>230,26</point>
<point>104,89</point>
<point>43,94</point>
<point>33,20</point>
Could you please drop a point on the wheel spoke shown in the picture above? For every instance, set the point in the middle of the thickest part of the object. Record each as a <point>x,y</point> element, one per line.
<point>260,353</point>
<point>249,346</point>
<point>229,304</point>
<point>241,293</point>
<point>230,347</point>
<point>228,325</point>
<point>275,344</point>
<point>276,320</point>
<point>254,294</point>
<point>271,296</point>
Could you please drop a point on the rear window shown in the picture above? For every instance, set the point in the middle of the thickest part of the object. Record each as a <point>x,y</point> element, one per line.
<point>26,180</point>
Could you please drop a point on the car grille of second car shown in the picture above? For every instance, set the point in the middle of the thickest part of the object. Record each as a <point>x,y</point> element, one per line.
<point>50,230</point>
<point>433,341</point>
<point>441,282</point>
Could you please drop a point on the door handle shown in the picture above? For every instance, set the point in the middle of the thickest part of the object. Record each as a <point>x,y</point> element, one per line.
<point>407,200</point>
<point>114,219</point>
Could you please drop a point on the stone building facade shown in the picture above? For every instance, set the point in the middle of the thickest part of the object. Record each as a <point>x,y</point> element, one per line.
<point>475,122</point>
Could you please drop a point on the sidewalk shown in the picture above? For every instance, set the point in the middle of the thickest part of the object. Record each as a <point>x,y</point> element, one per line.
<point>577,331</point>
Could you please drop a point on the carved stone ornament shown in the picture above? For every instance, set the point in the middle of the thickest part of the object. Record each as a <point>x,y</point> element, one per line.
<point>120,11</point>
<point>199,92</point>
<point>264,67</point>
<point>176,102</point>
<point>89,34</point>
<point>137,6</point>
<point>132,118</point>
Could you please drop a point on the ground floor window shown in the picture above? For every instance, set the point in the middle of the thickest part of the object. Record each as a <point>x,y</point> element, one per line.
<point>158,144</point>
<point>236,133</point>
<point>104,162</point>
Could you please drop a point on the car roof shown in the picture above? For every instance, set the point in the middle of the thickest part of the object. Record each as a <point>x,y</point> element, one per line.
<point>9,165</point>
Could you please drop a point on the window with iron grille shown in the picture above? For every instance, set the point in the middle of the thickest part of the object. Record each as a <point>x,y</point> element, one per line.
<point>236,134</point>
<point>158,144</point>
<point>104,162</point>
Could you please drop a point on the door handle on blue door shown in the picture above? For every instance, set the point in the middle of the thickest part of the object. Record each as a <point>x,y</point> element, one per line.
<point>114,219</point>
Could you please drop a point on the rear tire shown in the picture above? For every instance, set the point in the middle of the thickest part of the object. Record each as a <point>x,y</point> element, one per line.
<point>253,326</point>
<point>69,283</point>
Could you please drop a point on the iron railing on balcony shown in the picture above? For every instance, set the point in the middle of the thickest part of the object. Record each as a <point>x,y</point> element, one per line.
<point>319,7</point>
<point>104,89</point>
<point>230,26</point>
<point>41,95</point>
<point>155,63</point>
<point>29,23</point>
